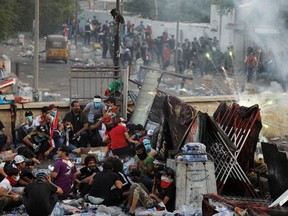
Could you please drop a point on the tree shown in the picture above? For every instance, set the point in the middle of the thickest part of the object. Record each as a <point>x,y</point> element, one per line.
<point>8,19</point>
<point>18,15</point>
<point>167,10</point>
<point>224,6</point>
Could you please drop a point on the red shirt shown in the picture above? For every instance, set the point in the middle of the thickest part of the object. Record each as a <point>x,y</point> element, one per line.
<point>117,135</point>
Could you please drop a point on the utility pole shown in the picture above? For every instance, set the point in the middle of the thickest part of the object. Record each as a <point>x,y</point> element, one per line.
<point>36,52</point>
<point>177,39</point>
<point>117,42</point>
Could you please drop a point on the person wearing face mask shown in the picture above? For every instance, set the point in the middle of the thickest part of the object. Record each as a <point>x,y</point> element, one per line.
<point>86,174</point>
<point>68,135</point>
<point>45,119</point>
<point>8,198</point>
<point>97,131</point>
<point>166,191</point>
<point>93,108</point>
<point>26,127</point>
<point>55,136</point>
<point>140,132</point>
<point>144,162</point>
<point>112,112</point>
<point>39,142</point>
<point>147,143</point>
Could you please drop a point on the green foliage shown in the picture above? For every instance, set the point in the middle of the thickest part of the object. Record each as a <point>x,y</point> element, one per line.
<point>8,19</point>
<point>171,10</point>
<point>224,6</point>
<point>18,15</point>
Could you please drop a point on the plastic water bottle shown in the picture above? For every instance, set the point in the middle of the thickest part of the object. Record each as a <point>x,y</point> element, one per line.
<point>152,209</point>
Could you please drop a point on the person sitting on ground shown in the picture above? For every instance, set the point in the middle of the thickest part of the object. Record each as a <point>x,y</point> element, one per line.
<point>144,162</point>
<point>165,193</point>
<point>103,181</point>
<point>136,176</point>
<point>19,162</point>
<point>8,198</point>
<point>93,108</point>
<point>27,126</point>
<point>4,162</point>
<point>67,134</point>
<point>79,121</point>
<point>27,153</point>
<point>5,138</point>
<point>97,130</point>
<point>39,142</point>
<point>63,172</point>
<point>120,195</point>
<point>119,139</point>
<point>40,197</point>
<point>45,119</point>
<point>85,175</point>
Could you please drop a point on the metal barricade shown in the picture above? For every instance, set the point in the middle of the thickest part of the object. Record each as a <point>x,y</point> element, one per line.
<point>88,81</point>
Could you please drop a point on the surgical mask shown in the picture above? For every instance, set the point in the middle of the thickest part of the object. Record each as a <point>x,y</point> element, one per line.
<point>17,178</point>
<point>53,113</point>
<point>147,147</point>
<point>41,135</point>
<point>30,118</point>
<point>123,124</point>
<point>97,105</point>
<point>138,134</point>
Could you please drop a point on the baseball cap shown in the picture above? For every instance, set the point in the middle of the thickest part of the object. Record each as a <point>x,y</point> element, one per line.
<point>20,159</point>
<point>41,175</point>
<point>28,113</point>
<point>150,133</point>
<point>168,171</point>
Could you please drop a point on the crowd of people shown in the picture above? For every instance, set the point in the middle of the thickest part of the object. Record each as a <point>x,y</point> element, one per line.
<point>146,181</point>
<point>138,42</point>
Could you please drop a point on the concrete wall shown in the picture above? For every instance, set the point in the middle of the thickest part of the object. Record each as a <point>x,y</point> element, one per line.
<point>273,107</point>
<point>5,113</point>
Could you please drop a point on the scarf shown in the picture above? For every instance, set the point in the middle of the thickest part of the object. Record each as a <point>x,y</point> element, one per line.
<point>165,182</point>
<point>11,180</point>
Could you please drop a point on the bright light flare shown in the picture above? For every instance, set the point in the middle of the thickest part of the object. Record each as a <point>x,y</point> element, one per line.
<point>208,56</point>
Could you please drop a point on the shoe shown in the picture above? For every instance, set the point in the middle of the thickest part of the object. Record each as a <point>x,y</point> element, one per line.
<point>131,213</point>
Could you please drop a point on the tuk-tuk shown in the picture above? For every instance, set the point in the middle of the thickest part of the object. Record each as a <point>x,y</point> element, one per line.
<point>56,48</point>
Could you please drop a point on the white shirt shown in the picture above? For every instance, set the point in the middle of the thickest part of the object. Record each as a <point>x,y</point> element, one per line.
<point>6,185</point>
<point>27,126</point>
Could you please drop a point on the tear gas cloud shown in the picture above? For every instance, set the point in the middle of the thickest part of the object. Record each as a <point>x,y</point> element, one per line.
<point>266,28</point>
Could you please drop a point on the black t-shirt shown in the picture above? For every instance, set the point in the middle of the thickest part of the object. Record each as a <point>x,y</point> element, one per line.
<point>1,125</point>
<point>85,172</point>
<point>103,181</point>
<point>39,198</point>
<point>169,192</point>
<point>77,121</point>
<point>147,182</point>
